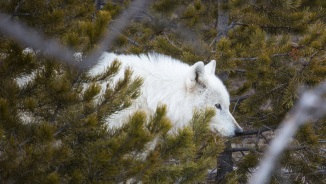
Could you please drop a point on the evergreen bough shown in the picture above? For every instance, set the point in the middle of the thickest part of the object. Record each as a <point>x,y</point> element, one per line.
<point>53,128</point>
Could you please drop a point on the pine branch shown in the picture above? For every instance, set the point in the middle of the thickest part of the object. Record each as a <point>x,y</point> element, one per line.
<point>129,39</point>
<point>305,161</point>
<point>310,150</point>
<point>87,113</point>
<point>118,25</point>
<point>13,132</point>
<point>34,113</point>
<point>28,171</point>
<point>169,148</point>
<point>241,98</point>
<point>30,38</point>
<point>14,13</point>
<point>55,114</point>
<point>267,11</point>
<point>254,59</point>
<point>261,26</point>
<point>311,57</point>
<point>168,39</point>
<point>182,179</point>
<point>295,148</point>
<point>236,23</point>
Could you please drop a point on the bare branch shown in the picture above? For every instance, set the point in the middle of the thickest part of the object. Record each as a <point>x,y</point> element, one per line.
<point>261,130</point>
<point>258,136</point>
<point>264,138</point>
<point>236,23</point>
<point>235,105</point>
<point>118,25</point>
<point>305,161</point>
<point>14,13</point>
<point>263,150</point>
<point>26,36</point>
<point>311,105</point>
<point>240,98</point>
<point>144,12</point>
<point>240,70</point>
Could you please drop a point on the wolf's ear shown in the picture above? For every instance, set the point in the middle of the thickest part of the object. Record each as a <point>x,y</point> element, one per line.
<point>210,67</point>
<point>195,74</point>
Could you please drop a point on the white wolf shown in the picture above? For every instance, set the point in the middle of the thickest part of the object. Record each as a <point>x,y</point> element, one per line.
<point>181,87</point>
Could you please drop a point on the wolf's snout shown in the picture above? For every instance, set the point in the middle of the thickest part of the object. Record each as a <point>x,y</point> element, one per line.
<point>238,131</point>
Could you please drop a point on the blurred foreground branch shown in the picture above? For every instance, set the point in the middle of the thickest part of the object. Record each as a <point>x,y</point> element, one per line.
<point>311,105</point>
<point>31,38</point>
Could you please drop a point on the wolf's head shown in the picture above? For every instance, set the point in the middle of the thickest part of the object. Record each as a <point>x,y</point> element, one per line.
<point>205,89</point>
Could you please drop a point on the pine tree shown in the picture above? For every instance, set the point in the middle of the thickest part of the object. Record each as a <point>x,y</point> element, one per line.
<point>53,116</point>
<point>273,48</point>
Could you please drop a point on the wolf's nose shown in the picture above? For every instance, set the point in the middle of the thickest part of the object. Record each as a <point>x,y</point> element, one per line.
<point>238,131</point>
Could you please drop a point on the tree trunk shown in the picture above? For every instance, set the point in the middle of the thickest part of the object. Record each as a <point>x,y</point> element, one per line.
<point>222,20</point>
<point>98,4</point>
<point>224,163</point>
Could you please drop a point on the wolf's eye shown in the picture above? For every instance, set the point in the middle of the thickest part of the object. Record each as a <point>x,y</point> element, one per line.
<point>218,106</point>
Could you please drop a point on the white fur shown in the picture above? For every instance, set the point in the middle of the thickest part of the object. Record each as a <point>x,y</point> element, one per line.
<point>181,87</point>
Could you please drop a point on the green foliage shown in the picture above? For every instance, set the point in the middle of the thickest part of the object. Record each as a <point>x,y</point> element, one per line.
<point>259,52</point>
<point>53,128</point>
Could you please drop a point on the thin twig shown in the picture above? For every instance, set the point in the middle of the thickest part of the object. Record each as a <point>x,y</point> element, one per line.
<point>264,138</point>
<point>22,34</point>
<point>20,147</point>
<point>236,23</point>
<point>258,135</point>
<point>254,132</point>
<point>240,98</point>
<point>144,12</point>
<point>14,13</point>
<point>168,38</point>
<point>311,57</point>
<point>129,39</point>
<point>306,163</point>
<point>55,114</point>
<point>235,105</point>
